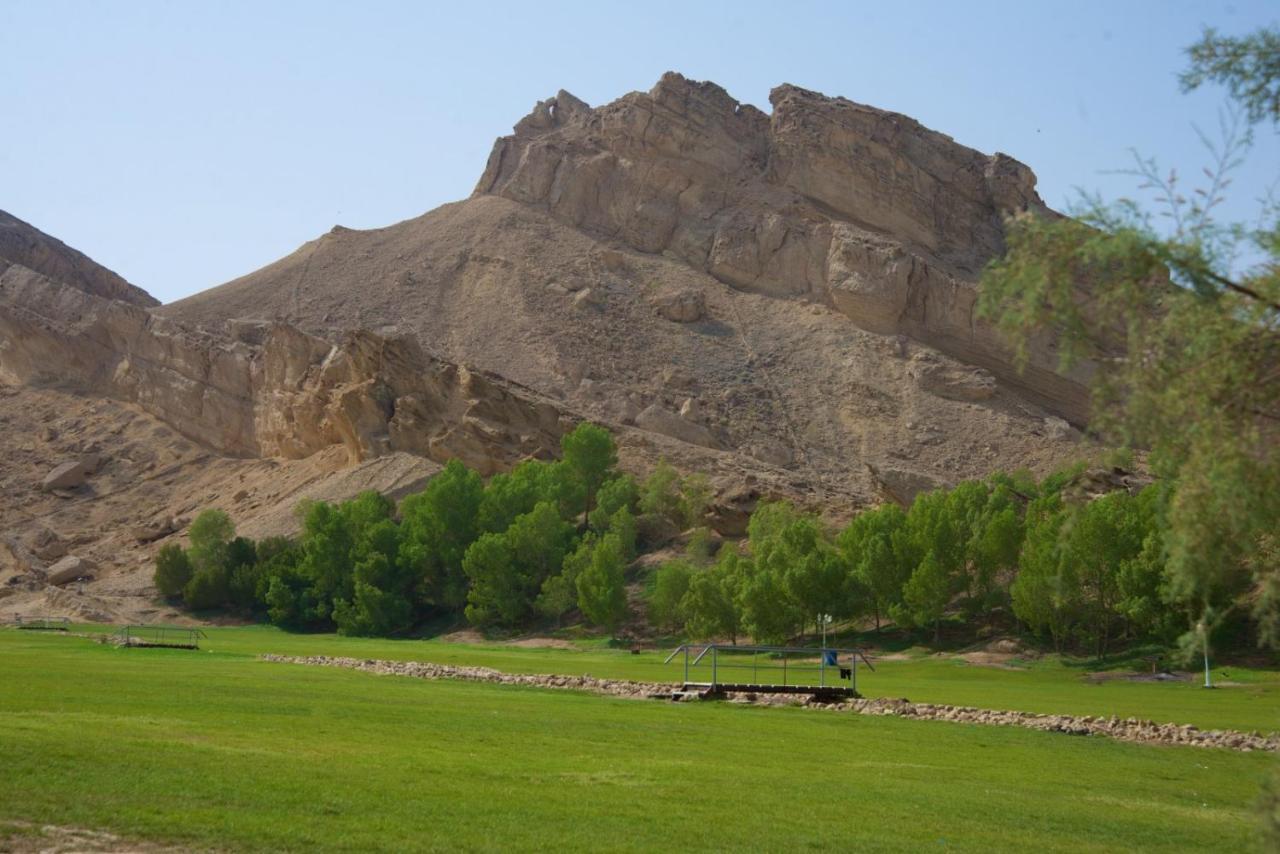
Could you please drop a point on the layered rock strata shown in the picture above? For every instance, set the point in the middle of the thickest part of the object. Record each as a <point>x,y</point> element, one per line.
<point>864,209</point>
<point>268,390</point>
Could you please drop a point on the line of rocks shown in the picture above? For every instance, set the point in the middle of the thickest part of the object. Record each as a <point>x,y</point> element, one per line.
<point>1123,729</point>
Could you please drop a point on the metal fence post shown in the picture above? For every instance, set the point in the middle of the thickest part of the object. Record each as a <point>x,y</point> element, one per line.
<point>713,669</point>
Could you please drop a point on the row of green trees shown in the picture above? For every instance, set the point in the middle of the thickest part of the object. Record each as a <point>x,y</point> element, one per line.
<point>1081,573</point>
<point>546,539</point>
<point>534,543</point>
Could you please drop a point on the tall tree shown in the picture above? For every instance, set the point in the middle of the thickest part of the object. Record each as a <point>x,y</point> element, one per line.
<point>439,524</point>
<point>1181,312</point>
<point>602,595</point>
<point>590,453</point>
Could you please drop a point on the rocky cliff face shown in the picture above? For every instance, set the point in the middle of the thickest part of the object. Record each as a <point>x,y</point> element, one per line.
<point>24,244</point>
<point>863,209</point>
<point>267,389</point>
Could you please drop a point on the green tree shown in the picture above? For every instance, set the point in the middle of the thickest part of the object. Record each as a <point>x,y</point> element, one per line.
<point>695,499</point>
<point>173,570</point>
<point>602,595</point>
<point>710,606</point>
<point>211,532</point>
<point>617,493</point>
<point>381,603</point>
<point>660,494</point>
<point>1180,313</point>
<point>497,595</point>
<point>438,525</point>
<point>243,574</point>
<point>207,589</point>
<point>926,595</point>
<point>1248,65</point>
<point>700,545</point>
<point>539,541</point>
<point>1045,594</point>
<point>670,584</point>
<point>591,455</point>
<point>559,593</point>
<point>508,570</point>
<point>790,552</point>
<point>872,563</point>
<point>768,613</point>
<point>507,496</point>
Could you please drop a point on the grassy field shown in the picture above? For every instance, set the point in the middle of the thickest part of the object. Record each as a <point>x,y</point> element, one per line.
<point>217,749</point>
<point>1251,702</point>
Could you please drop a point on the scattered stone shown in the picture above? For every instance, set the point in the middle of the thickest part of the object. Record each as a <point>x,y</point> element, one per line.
<point>1130,729</point>
<point>613,260</point>
<point>683,306</point>
<point>157,529</point>
<point>68,475</point>
<point>1058,428</point>
<point>691,410</point>
<point>951,380</point>
<point>68,569</point>
<point>658,420</point>
<point>46,544</point>
<point>587,298</point>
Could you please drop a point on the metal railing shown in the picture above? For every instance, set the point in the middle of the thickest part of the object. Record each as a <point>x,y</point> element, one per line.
<point>770,667</point>
<point>42,624</point>
<point>179,637</point>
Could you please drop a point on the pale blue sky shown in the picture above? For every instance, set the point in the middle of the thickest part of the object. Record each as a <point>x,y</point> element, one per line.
<point>185,144</point>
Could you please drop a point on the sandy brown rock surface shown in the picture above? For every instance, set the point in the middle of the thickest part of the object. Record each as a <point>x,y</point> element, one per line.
<point>782,301</point>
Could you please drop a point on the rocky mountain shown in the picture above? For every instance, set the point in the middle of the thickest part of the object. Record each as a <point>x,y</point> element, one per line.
<point>784,301</point>
<point>28,246</point>
<point>794,289</point>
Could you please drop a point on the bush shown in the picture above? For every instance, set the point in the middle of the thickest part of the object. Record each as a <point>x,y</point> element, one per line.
<point>173,570</point>
<point>207,589</point>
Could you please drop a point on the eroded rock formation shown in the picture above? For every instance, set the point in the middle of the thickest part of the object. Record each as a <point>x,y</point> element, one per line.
<point>864,209</point>
<point>268,389</point>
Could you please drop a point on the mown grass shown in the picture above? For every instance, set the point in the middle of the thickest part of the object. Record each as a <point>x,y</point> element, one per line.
<point>1047,686</point>
<point>217,749</point>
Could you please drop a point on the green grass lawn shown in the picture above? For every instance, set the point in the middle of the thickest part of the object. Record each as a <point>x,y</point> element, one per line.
<point>217,749</point>
<point>1047,686</point>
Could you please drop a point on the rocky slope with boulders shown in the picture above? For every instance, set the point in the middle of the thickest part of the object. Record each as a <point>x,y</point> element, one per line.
<point>782,301</point>
<point>794,291</point>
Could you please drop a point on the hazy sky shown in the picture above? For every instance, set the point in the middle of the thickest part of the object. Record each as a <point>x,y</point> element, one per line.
<point>184,144</point>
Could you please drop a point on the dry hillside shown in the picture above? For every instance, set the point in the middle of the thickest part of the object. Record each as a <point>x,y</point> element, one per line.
<point>782,300</point>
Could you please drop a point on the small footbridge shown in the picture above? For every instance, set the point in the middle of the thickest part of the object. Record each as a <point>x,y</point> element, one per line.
<point>713,670</point>
<point>165,637</point>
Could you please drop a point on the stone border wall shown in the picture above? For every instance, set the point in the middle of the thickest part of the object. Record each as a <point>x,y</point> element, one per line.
<point>1123,729</point>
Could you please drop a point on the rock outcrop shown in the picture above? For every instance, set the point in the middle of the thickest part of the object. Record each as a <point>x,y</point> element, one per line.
<point>290,395</point>
<point>23,243</point>
<point>863,209</point>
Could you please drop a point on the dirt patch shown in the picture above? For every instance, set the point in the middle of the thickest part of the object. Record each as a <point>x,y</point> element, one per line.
<point>542,643</point>
<point>1137,676</point>
<point>1003,653</point>
<point>465,636</point>
<point>21,837</point>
